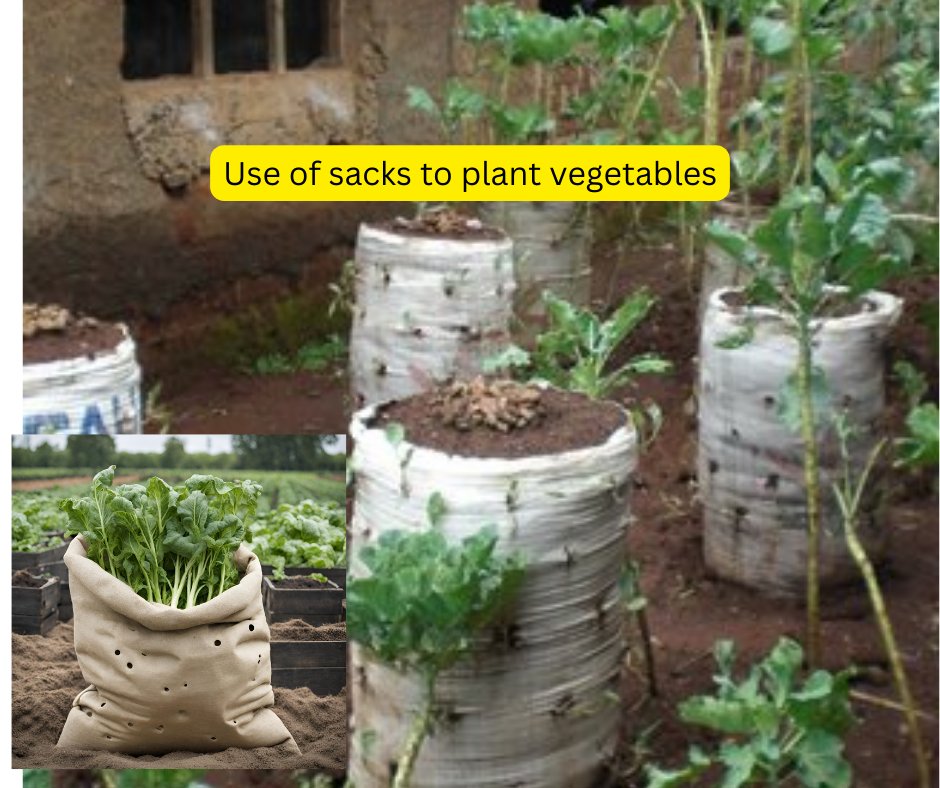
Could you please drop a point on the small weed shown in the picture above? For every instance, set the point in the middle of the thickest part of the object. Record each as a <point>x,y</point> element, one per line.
<point>312,357</point>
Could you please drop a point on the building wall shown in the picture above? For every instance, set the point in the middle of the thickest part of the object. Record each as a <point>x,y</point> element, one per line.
<point>118,217</point>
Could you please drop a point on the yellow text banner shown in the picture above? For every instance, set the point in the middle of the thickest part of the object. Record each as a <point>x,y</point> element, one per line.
<point>433,173</point>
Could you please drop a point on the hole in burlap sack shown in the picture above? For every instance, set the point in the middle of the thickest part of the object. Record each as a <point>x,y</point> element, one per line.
<point>129,665</point>
<point>118,652</point>
<point>102,705</point>
<point>88,713</point>
<point>218,642</point>
<point>166,689</point>
<point>186,685</point>
<point>251,627</point>
<point>182,712</point>
<point>130,725</point>
<point>142,654</point>
<point>212,737</point>
<point>107,737</point>
<point>159,729</point>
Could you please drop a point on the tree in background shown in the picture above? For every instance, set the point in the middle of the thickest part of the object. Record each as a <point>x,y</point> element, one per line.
<point>90,451</point>
<point>283,452</point>
<point>174,454</point>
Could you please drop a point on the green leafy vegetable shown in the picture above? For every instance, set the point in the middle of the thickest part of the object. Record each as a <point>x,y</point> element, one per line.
<point>307,534</point>
<point>422,605</point>
<point>777,731</point>
<point>173,546</point>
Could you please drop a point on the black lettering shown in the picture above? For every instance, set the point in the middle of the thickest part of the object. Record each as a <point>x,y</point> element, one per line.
<point>612,176</point>
<point>303,176</point>
<point>241,174</point>
<point>268,176</point>
<point>365,176</point>
<point>559,178</point>
<point>690,173</point>
<point>709,173</point>
<point>665,170</point>
<point>336,176</point>
<point>404,177</point>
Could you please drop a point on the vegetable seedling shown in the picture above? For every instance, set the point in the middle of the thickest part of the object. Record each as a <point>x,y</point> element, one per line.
<point>421,607</point>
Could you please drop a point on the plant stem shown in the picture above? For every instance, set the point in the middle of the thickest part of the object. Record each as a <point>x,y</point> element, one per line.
<point>849,503</point>
<point>417,734</point>
<point>811,480</point>
<point>643,621</point>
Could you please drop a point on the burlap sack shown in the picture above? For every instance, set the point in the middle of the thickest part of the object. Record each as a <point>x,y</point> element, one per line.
<point>164,679</point>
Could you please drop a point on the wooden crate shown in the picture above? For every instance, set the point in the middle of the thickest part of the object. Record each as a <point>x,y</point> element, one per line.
<point>33,560</point>
<point>319,665</point>
<point>314,606</point>
<point>60,570</point>
<point>36,610</point>
<point>337,574</point>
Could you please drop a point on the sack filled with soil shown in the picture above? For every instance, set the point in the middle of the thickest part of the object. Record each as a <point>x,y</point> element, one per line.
<point>163,679</point>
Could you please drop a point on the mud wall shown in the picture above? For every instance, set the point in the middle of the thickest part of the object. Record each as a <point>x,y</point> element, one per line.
<point>118,218</point>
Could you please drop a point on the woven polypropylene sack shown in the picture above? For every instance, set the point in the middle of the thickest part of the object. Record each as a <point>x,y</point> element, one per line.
<point>552,248</point>
<point>84,395</point>
<point>427,309</point>
<point>163,679</point>
<point>750,464</point>
<point>536,710</point>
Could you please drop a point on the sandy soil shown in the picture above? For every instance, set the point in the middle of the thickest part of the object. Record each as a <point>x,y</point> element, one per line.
<point>46,678</point>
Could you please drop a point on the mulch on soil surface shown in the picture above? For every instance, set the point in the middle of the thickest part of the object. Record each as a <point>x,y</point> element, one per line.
<point>46,678</point>
<point>23,579</point>
<point>295,629</point>
<point>75,341</point>
<point>442,224</point>
<point>569,422</point>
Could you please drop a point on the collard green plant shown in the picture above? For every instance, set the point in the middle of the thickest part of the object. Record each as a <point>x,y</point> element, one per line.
<point>776,730</point>
<point>538,78</point>
<point>818,249</point>
<point>422,606</point>
<point>306,534</point>
<point>576,351</point>
<point>920,447</point>
<point>173,546</point>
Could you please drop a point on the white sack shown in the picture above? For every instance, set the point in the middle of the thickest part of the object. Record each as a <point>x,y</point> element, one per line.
<point>539,713</point>
<point>427,309</point>
<point>750,466</point>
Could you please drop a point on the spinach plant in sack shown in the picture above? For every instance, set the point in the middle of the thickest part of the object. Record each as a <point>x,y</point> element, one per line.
<point>170,630</point>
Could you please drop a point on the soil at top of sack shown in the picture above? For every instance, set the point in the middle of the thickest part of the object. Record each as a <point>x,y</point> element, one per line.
<point>46,679</point>
<point>23,579</point>
<point>442,224</point>
<point>51,333</point>
<point>501,419</point>
<point>295,630</point>
<point>301,583</point>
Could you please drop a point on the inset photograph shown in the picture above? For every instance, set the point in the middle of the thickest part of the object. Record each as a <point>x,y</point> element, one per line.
<point>179,600</point>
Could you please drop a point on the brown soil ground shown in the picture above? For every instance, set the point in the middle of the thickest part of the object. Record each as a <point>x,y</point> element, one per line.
<point>46,678</point>
<point>66,481</point>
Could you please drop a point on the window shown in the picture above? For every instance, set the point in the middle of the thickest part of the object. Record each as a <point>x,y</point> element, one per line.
<point>205,37</point>
<point>565,9</point>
